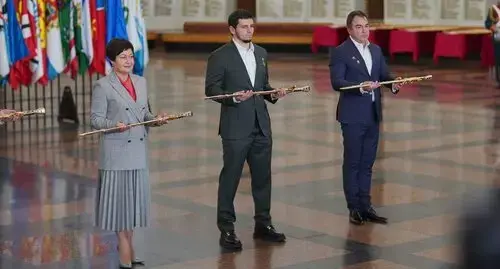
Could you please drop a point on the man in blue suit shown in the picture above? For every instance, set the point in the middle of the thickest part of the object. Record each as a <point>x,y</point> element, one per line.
<point>359,111</point>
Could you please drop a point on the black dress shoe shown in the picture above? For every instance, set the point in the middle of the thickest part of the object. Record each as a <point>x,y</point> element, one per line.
<point>372,216</point>
<point>230,241</point>
<point>268,233</point>
<point>355,217</point>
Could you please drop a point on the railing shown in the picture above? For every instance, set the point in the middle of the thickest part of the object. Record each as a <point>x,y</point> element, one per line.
<point>42,138</point>
<point>51,97</point>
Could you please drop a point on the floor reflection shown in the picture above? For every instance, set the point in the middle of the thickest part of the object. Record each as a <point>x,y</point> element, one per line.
<point>440,142</point>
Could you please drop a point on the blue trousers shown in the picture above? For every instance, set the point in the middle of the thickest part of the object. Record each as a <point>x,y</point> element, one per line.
<point>360,150</point>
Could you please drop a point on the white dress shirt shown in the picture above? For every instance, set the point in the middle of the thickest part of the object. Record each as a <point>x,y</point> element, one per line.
<point>364,50</point>
<point>248,57</point>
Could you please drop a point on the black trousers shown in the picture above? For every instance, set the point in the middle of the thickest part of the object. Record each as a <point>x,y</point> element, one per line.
<point>256,150</point>
<point>496,52</point>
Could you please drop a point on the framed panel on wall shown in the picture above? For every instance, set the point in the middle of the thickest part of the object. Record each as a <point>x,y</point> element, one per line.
<point>162,15</point>
<point>436,12</point>
<point>207,10</point>
<point>463,12</point>
<point>170,15</point>
<point>476,10</point>
<point>450,11</point>
<point>410,12</point>
<point>334,11</point>
<point>281,10</point>
<point>341,8</point>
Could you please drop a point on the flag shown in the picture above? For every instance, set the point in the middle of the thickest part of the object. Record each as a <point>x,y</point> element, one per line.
<point>4,56</point>
<point>39,64</point>
<point>16,47</point>
<point>98,15</point>
<point>137,34</point>
<point>115,22</point>
<point>21,71</point>
<point>83,36</point>
<point>142,53</point>
<point>144,38</point>
<point>55,47</point>
<point>130,13</point>
<point>66,20</point>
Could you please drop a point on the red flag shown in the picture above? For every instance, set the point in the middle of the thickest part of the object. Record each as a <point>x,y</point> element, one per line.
<point>98,16</point>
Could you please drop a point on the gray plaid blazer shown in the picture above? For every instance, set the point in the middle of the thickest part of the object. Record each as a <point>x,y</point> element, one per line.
<point>111,103</point>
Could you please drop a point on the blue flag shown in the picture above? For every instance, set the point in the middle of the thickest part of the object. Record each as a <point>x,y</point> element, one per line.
<point>115,24</point>
<point>16,47</point>
<point>115,20</point>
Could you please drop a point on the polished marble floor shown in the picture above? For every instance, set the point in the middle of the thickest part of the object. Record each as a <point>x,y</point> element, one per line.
<point>439,148</point>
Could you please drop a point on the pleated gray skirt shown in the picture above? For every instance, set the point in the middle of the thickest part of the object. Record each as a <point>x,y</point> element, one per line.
<point>123,200</point>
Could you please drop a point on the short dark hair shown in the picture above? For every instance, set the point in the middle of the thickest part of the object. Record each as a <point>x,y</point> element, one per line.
<point>238,15</point>
<point>117,46</point>
<point>352,14</point>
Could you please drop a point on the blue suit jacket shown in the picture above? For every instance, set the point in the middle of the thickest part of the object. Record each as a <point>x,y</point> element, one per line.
<point>348,68</point>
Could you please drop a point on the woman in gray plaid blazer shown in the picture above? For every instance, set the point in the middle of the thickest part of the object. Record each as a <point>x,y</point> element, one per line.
<point>123,192</point>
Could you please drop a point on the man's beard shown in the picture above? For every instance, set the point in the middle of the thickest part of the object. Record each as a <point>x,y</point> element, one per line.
<point>245,40</point>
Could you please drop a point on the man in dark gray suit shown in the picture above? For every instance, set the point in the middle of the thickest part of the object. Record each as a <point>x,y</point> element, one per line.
<point>245,127</point>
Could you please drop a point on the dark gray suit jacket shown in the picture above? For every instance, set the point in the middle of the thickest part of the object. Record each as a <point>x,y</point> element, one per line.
<point>226,74</point>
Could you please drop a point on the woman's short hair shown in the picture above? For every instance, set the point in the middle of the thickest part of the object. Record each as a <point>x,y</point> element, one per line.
<point>117,46</point>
